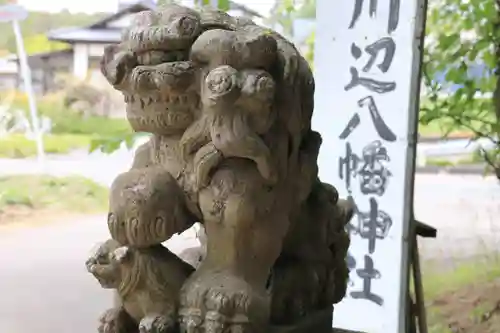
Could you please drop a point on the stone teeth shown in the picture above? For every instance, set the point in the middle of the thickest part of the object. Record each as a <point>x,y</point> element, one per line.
<point>148,100</point>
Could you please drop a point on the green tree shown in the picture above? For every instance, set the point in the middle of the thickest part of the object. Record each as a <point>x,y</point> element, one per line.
<point>462,37</point>
<point>283,14</point>
<point>221,4</point>
<point>39,43</point>
<point>165,2</point>
<point>306,10</point>
<point>310,49</point>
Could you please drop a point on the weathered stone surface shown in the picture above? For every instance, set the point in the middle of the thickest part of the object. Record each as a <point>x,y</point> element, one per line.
<point>229,105</point>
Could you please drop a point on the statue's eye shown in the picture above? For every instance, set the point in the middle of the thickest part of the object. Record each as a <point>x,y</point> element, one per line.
<point>186,25</point>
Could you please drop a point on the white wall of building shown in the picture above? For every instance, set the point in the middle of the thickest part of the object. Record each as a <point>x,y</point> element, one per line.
<point>80,60</point>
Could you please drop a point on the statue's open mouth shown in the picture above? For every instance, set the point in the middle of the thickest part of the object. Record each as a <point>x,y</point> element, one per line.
<point>160,89</point>
<point>156,57</point>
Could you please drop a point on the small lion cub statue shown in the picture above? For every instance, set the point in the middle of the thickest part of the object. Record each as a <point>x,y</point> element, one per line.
<point>147,280</point>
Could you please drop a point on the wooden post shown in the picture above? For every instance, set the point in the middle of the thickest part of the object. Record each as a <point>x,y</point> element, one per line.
<point>417,310</point>
<point>419,290</point>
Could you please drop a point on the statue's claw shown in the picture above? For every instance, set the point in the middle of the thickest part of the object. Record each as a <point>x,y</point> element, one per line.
<point>156,324</point>
<point>109,321</point>
<point>221,302</point>
<point>190,320</point>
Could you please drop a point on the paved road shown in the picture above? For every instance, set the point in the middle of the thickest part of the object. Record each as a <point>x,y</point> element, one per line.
<point>465,210</point>
<point>44,287</point>
<point>43,284</point>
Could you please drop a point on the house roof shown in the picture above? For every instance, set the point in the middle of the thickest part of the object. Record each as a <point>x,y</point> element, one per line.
<point>82,35</point>
<point>99,32</point>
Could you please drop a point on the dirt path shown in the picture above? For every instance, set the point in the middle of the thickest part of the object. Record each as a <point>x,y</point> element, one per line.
<point>472,309</point>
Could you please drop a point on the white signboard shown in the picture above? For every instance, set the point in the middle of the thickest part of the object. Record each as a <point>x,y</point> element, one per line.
<point>367,62</point>
<point>15,13</point>
<point>12,12</point>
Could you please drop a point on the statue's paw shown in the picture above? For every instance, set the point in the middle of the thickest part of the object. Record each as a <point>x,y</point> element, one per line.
<point>156,324</point>
<point>221,302</point>
<point>109,321</point>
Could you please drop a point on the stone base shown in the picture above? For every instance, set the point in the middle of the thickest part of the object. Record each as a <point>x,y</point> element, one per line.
<point>319,322</point>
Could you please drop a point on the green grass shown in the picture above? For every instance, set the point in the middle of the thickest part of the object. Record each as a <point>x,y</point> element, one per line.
<point>475,158</point>
<point>472,159</point>
<point>65,194</point>
<point>95,126</point>
<point>437,282</point>
<point>18,146</point>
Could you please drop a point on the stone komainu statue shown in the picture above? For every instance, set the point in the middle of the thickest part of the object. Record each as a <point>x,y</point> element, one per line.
<point>229,107</point>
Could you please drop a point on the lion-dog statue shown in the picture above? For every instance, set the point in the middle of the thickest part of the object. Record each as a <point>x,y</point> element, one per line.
<point>228,105</point>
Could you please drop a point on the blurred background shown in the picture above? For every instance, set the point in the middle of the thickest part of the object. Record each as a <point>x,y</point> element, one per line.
<point>53,210</point>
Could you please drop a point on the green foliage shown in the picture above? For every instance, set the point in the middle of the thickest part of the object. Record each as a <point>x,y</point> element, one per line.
<point>283,14</point>
<point>221,4</point>
<point>461,34</point>
<point>69,131</point>
<point>70,194</point>
<point>165,2</point>
<point>310,49</point>
<point>39,23</point>
<point>306,10</point>
<point>67,121</point>
<point>19,146</point>
<point>111,143</point>
<point>39,43</point>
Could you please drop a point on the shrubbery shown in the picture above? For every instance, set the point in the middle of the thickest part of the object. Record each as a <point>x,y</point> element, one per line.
<point>68,121</point>
<point>70,129</point>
